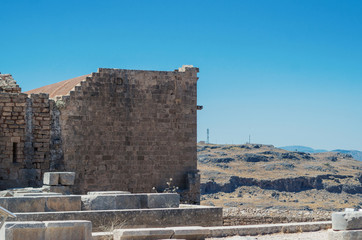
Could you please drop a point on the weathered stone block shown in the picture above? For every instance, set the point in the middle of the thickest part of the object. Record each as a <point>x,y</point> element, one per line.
<point>68,230</point>
<point>66,178</point>
<point>109,202</point>
<point>24,204</point>
<point>63,203</point>
<point>130,201</point>
<point>98,202</point>
<point>142,233</point>
<point>22,231</point>
<point>347,221</point>
<point>41,203</point>
<point>51,178</point>
<point>163,200</point>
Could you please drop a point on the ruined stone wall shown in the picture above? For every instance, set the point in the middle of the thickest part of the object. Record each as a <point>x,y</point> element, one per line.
<point>12,138</point>
<point>24,135</point>
<point>132,130</point>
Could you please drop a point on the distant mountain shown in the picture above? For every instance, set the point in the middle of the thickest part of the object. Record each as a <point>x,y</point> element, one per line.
<point>302,149</point>
<point>355,154</point>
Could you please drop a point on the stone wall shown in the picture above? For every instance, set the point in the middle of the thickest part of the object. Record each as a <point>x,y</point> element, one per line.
<point>118,130</point>
<point>24,135</point>
<point>131,130</point>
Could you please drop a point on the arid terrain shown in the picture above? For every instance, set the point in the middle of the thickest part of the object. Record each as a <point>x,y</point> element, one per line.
<point>255,176</point>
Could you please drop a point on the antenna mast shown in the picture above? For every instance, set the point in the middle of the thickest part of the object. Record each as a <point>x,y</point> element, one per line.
<point>208,132</point>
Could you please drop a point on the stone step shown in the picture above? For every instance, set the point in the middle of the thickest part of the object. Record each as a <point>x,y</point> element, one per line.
<point>41,203</point>
<point>47,230</point>
<point>193,215</point>
<point>198,233</point>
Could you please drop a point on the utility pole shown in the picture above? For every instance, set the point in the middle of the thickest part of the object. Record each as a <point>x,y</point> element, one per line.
<point>249,138</point>
<point>208,133</point>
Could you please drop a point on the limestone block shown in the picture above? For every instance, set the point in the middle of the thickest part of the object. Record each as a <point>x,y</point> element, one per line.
<point>347,221</point>
<point>163,200</point>
<point>23,230</point>
<point>63,203</point>
<point>24,204</point>
<point>142,233</point>
<point>68,230</point>
<point>98,202</point>
<point>66,178</point>
<point>195,233</point>
<point>344,235</point>
<point>109,202</point>
<point>131,201</point>
<point>51,178</point>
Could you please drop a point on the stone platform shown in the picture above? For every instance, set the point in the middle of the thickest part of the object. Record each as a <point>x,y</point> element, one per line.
<point>185,215</point>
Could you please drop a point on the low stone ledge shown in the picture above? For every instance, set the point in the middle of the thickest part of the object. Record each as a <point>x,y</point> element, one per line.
<point>41,203</point>
<point>197,232</point>
<point>49,230</point>
<point>130,201</point>
<point>102,235</point>
<point>41,194</point>
<point>110,202</point>
<point>142,233</point>
<point>347,220</point>
<point>253,230</point>
<point>135,218</point>
<point>194,233</point>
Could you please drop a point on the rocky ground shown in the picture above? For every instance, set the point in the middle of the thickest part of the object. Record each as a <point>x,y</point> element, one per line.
<point>255,176</point>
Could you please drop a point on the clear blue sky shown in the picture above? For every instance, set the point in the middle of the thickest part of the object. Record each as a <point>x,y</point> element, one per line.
<point>285,72</point>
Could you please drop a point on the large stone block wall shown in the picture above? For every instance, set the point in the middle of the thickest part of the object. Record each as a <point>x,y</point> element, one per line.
<point>118,130</point>
<point>131,130</point>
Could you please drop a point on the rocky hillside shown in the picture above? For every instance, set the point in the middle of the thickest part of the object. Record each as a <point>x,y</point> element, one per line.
<point>256,175</point>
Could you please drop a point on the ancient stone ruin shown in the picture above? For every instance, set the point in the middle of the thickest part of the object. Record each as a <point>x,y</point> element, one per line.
<point>117,129</point>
